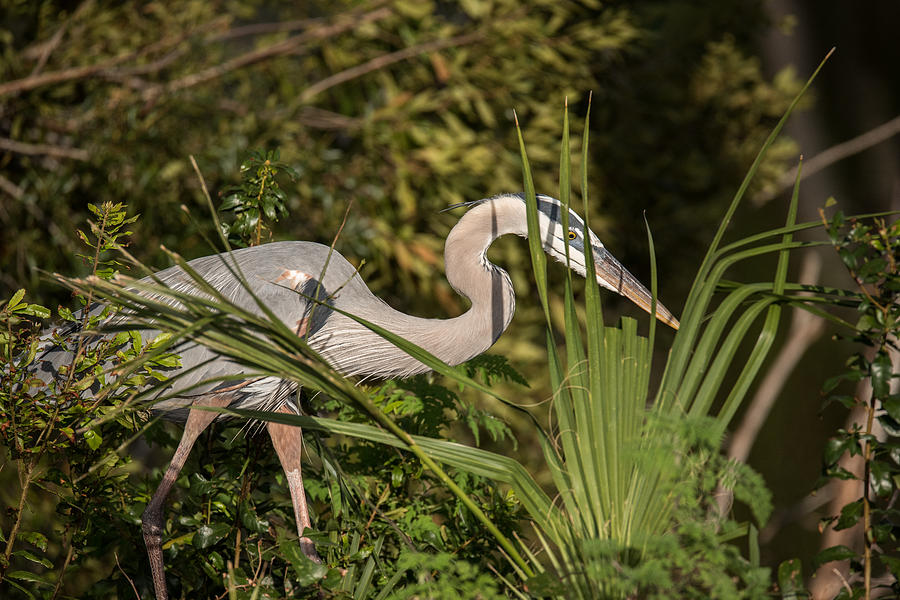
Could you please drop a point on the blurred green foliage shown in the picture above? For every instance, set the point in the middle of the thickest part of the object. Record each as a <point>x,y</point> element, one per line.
<point>403,107</point>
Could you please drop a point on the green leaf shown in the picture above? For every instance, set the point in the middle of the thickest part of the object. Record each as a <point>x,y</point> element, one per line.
<point>250,520</point>
<point>17,297</point>
<point>24,591</point>
<point>93,439</point>
<point>231,202</point>
<point>840,473</point>
<point>790,579</point>
<point>307,571</point>
<point>35,559</point>
<point>29,577</point>
<point>831,554</point>
<point>891,404</point>
<point>892,563</point>
<point>850,515</point>
<point>84,383</point>
<point>36,310</point>
<point>207,535</point>
<point>881,478</point>
<point>836,447</point>
<point>38,540</point>
<point>881,372</point>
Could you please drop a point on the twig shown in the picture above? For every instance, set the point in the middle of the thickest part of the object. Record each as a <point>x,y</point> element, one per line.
<point>129,75</point>
<point>832,155</point>
<point>385,60</point>
<point>26,480</point>
<point>62,572</point>
<point>282,26</point>
<point>844,581</point>
<point>11,188</point>
<point>284,47</point>
<point>264,28</point>
<point>35,81</point>
<point>31,82</point>
<point>43,150</point>
<point>127,578</point>
<point>310,116</point>
<point>52,44</point>
<point>867,503</point>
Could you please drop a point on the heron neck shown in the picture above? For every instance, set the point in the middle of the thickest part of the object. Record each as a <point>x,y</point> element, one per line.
<point>453,340</point>
<point>473,276</point>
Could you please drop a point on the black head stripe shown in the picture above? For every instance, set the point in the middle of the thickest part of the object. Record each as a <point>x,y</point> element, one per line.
<point>553,208</point>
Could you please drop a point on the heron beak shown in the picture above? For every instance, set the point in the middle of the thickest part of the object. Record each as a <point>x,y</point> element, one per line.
<point>611,274</point>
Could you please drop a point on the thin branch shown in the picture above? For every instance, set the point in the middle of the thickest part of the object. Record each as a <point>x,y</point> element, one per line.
<point>127,578</point>
<point>11,188</point>
<point>254,56</point>
<point>309,116</point>
<point>264,28</point>
<point>798,513</point>
<point>317,118</point>
<point>47,48</point>
<point>282,26</point>
<point>832,155</point>
<point>43,150</point>
<point>35,81</point>
<point>31,82</point>
<point>385,60</point>
<point>70,553</point>
<point>129,74</point>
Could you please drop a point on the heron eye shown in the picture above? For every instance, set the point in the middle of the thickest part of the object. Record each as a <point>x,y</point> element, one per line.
<point>572,234</point>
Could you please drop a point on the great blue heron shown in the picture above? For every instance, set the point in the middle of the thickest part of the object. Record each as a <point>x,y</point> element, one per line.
<point>276,273</point>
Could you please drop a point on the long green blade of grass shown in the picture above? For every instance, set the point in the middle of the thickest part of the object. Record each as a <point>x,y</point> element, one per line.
<point>767,335</point>
<point>538,258</point>
<point>697,302</point>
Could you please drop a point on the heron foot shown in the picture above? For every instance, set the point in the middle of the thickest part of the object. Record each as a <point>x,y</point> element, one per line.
<point>309,550</point>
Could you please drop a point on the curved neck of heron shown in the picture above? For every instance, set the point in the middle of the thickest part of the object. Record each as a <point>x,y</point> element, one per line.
<point>453,340</point>
<point>473,276</point>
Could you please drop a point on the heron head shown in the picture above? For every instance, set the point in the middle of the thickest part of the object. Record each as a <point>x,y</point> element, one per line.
<point>609,272</point>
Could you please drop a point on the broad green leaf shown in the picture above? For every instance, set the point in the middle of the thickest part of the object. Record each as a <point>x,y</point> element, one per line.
<point>881,372</point>
<point>790,579</point>
<point>92,439</point>
<point>207,535</point>
<point>833,553</point>
<point>306,571</point>
<point>16,299</point>
<point>35,559</point>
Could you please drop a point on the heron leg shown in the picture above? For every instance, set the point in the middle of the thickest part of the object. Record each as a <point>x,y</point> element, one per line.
<point>288,443</point>
<point>152,519</point>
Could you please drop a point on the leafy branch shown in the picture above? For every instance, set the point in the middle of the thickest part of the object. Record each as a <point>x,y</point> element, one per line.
<point>869,249</point>
<point>258,195</point>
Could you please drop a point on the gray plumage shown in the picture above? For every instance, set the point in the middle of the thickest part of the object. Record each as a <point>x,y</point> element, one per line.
<point>278,271</point>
